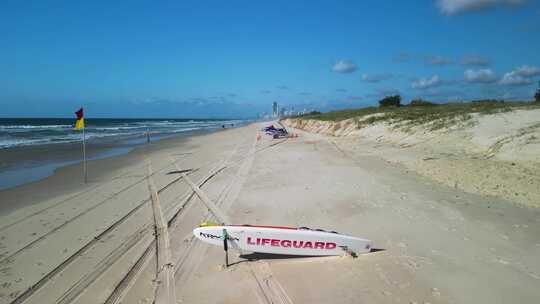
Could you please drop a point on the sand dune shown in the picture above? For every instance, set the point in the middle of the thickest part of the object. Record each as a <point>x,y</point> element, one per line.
<point>496,154</point>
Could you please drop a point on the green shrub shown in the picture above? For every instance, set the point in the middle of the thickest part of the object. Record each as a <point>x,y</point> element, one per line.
<point>390,101</point>
<point>491,101</point>
<point>421,103</point>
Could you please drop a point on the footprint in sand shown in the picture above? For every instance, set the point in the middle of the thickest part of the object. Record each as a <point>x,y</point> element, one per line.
<point>533,275</point>
<point>5,271</point>
<point>403,285</point>
<point>402,245</point>
<point>14,294</point>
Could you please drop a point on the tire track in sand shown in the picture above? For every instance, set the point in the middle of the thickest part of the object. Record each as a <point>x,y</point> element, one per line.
<point>267,288</point>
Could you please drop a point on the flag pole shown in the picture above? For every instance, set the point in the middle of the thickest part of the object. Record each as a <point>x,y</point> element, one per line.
<point>84,154</point>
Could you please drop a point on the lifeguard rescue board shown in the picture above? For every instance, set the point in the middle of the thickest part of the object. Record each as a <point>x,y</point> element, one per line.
<point>283,240</point>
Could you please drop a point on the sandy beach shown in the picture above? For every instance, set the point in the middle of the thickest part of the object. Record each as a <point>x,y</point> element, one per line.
<point>65,242</point>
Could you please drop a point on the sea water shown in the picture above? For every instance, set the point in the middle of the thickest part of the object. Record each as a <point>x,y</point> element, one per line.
<point>39,131</point>
<point>21,136</point>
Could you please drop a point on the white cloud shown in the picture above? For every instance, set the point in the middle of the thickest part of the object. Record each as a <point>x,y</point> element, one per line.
<point>513,78</point>
<point>520,76</point>
<point>376,77</point>
<point>438,60</point>
<point>344,66</point>
<point>452,7</point>
<point>527,71</point>
<point>474,60</point>
<point>481,75</point>
<point>425,83</point>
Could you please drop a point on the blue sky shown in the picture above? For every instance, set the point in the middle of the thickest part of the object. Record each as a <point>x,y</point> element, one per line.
<point>233,58</point>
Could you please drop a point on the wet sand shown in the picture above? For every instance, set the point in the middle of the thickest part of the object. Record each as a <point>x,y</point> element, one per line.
<point>25,164</point>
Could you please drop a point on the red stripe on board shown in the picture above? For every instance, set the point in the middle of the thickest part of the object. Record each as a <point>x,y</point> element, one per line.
<point>275,227</point>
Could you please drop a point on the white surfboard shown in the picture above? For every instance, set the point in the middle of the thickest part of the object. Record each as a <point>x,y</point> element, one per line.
<point>283,240</point>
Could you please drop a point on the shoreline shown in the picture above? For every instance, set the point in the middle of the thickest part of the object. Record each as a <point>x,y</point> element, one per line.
<point>59,179</point>
<point>27,164</point>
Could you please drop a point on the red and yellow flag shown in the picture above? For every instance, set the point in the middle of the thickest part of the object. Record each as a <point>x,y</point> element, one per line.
<point>79,124</point>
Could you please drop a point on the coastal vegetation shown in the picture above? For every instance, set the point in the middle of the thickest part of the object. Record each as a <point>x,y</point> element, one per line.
<point>419,102</point>
<point>422,112</point>
<point>390,101</point>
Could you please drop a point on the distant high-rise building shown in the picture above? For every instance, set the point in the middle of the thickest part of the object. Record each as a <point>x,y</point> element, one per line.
<point>275,112</point>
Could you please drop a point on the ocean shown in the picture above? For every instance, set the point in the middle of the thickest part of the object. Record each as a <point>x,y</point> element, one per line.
<point>39,131</point>
<point>33,148</point>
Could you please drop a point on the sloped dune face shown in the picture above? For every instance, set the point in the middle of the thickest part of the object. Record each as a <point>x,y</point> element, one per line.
<point>512,136</point>
<point>341,128</point>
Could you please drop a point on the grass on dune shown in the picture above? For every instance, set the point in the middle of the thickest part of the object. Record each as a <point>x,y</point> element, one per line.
<point>437,116</point>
